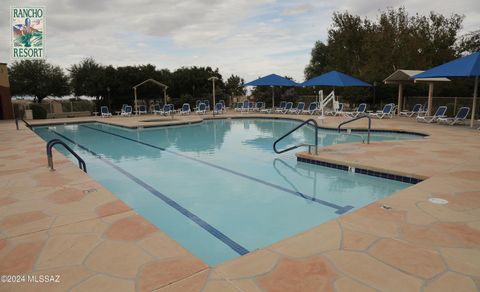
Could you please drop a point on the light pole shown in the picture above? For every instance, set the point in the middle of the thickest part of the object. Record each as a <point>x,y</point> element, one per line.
<point>213,78</point>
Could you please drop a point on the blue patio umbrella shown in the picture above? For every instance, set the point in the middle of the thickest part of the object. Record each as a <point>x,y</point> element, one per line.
<point>336,79</point>
<point>272,80</point>
<point>468,66</point>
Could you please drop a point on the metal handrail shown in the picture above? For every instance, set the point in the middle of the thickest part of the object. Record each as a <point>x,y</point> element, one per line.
<point>53,142</point>
<point>358,118</point>
<point>299,145</point>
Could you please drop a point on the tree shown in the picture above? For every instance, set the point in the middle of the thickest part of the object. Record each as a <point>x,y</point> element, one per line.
<point>38,78</point>
<point>373,49</point>
<point>234,85</point>
<point>469,43</point>
<point>88,78</point>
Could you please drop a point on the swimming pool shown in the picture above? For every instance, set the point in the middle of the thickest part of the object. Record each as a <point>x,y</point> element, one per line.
<point>217,187</point>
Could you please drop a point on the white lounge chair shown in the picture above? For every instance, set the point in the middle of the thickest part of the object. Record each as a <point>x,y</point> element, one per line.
<point>358,112</point>
<point>440,113</point>
<point>105,112</point>
<point>218,108</point>
<point>127,111</point>
<point>281,107</point>
<point>312,108</point>
<point>287,108</point>
<point>185,109</point>
<point>300,107</point>
<point>239,107</point>
<point>337,111</point>
<point>387,112</point>
<point>202,109</point>
<point>459,118</point>
<point>415,111</point>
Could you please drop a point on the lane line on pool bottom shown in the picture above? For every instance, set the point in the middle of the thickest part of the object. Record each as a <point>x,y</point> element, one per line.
<point>199,221</point>
<point>339,209</point>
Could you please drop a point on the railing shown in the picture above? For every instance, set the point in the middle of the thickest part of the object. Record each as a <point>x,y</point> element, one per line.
<point>358,118</point>
<point>53,142</point>
<point>299,145</point>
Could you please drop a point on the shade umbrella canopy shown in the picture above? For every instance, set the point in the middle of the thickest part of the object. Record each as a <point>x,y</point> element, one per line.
<point>272,80</point>
<point>468,66</point>
<point>336,79</point>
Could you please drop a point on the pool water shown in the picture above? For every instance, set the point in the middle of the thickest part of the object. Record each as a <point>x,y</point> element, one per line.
<point>217,187</point>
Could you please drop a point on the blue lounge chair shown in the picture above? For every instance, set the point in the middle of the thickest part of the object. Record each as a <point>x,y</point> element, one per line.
<point>245,106</point>
<point>218,108</point>
<point>197,102</point>
<point>387,112</point>
<point>142,109</point>
<point>288,107</point>
<point>105,112</point>
<point>415,111</point>
<point>358,112</point>
<point>202,109</point>
<point>127,111</point>
<point>459,118</point>
<point>156,109</point>
<point>185,109</point>
<point>207,104</point>
<point>223,104</point>
<point>440,113</point>
<point>281,107</point>
<point>259,106</point>
<point>239,107</point>
<point>300,107</point>
<point>167,109</point>
<point>312,108</point>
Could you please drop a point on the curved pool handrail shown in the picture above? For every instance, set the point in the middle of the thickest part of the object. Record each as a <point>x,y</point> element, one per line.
<point>53,142</point>
<point>358,118</point>
<point>299,145</point>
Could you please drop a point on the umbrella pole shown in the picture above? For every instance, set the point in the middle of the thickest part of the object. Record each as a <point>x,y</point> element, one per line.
<point>273,98</point>
<point>474,105</point>
<point>430,98</point>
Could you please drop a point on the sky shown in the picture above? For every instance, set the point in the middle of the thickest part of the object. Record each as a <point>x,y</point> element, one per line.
<point>246,38</point>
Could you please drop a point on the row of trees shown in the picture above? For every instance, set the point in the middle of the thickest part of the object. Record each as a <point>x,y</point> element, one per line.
<point>367,49</point>
<point>373,49</point>
<point>113,85</point>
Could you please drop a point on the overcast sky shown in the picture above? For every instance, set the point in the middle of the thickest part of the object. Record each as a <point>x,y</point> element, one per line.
<point>246,38</point>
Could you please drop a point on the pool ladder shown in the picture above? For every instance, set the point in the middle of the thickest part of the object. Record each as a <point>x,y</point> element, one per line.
<point>349,131</point>
<point>53,142</point>
<point>299,145</point>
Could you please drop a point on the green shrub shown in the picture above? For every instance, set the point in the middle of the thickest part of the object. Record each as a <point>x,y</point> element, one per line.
<point>38,111</point>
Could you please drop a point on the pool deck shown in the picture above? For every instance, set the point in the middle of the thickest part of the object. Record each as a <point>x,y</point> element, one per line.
<point>65,223</point>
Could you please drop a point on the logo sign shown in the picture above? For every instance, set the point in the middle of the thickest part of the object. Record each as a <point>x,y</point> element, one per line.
<point>28,32</point>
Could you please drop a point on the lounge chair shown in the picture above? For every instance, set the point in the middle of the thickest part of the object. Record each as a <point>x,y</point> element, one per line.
<point>185,109</point>
<point>288,107</point>
<point>300,107</point>
<point>245,106</point>
<point>207,104</point>
<point>312,108</point>
<point>156,109</point>
<point>197,102</point>
<point>337,111</point>
<point>127,111</point>
<point>281,107</point>
<point>105,112</point>
<point>142,109</point>
<point>415,111</point>
<point>440,113</point>
<point>202,109</point>
<point>239,107</point>
<point>251,106</point>
<point>218,108</point>
<point>386,112</point>
<point>358,112</point>
<point>223,104</point>
<point>459,118</point>
<point>259,106</point>
<point>167,109</point>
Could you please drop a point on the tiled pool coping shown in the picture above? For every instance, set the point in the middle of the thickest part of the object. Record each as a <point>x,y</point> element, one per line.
<point>406,179</point>
<point>437,246</point>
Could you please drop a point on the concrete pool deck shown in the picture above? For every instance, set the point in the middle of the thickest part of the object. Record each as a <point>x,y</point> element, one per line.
<point>65,223</point>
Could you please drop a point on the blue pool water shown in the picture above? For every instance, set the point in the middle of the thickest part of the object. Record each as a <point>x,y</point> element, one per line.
<point>217,187</point>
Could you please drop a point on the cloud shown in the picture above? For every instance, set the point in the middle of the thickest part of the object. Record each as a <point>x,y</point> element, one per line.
<point>247,38</point>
